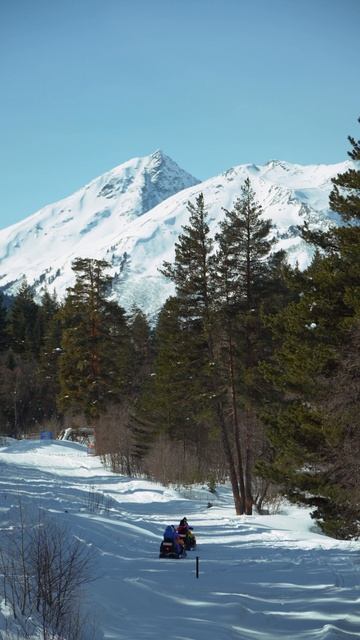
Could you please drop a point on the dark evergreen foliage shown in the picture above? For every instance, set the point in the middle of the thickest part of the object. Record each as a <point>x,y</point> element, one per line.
<point>245,279</point>
<point>314,333</point>
<point>23,322</point>
<point>179,397</point>
<point>94,329</point>
<point>4,337</point>
<point>193,265</point>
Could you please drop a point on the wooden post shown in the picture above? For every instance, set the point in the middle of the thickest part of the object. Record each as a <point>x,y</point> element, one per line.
<point>197,566</point>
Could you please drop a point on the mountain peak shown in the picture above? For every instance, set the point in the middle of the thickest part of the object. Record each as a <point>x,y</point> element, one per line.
<point>144,182</point>
<point>277,163</point>
<point>132,216</point>
<point>158,154</point>
<point>162,178</point>
<point>160,159</point>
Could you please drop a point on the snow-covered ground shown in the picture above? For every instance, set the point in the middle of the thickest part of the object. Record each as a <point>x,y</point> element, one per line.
<point>261,577</point>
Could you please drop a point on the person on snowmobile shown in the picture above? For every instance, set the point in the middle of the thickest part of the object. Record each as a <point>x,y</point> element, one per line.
<point>184,526</point>
<point>171,535</point>
<point>186,532</point>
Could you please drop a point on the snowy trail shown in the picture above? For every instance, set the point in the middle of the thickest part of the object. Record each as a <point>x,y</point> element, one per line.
<point>261,577</point>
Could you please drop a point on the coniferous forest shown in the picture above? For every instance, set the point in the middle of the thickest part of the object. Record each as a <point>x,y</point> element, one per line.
<point>251,372</point>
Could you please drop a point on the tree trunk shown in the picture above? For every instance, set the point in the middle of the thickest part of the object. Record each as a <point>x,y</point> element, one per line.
<point>248,482</point>
<point>237,438</point>
<point>239,510</point>
<point>260,499</point>
<point>230,461</point>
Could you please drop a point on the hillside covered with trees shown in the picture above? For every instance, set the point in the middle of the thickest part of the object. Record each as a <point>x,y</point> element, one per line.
<point>251,372</point>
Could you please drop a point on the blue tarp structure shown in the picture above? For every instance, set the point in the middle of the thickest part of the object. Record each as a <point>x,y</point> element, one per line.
<point>46,435</point>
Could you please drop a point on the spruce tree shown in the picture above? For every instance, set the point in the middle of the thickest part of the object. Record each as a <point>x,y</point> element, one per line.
<point>4,336</point>
<point>93,337</point>
<point>194,262</point>
<point>316,331</point>
<point>242,276</point>
<point>140,351</point>
<point>51,336</point>
<point>119,436</point>
<point>23,410</point>
<point>345,196</point>
<point>193,275</point>
<point>23,322</point>
<point>175,398</point>
<point>244,244</point>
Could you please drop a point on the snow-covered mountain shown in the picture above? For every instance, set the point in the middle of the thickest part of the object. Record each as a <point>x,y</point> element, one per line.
<point>132,216</point>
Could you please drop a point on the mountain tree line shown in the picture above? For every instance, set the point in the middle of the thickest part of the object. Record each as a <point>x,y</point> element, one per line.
<point>250,373</point>
<point>69,363</point>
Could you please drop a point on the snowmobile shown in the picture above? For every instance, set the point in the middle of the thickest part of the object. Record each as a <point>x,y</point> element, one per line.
<point>168,550</point>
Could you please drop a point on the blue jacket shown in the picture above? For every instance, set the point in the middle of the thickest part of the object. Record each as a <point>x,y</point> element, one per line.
<point>170,533</point>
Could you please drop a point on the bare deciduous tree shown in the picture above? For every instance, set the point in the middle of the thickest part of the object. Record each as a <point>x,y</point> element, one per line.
<point>43,571</point>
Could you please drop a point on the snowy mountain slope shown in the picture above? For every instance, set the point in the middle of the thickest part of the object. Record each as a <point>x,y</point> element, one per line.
<point>133,215</point>
<point>82,223</point>
<point>261,577</point>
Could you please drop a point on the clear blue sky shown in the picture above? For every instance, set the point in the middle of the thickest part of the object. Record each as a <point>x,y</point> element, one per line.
<point>88,84</point>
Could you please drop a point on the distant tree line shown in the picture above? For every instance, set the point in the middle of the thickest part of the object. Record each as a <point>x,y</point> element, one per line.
<point>251,372</point>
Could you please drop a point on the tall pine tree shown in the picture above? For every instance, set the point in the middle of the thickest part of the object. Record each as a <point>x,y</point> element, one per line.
<point>93,338</point>
<point>4,336</point>
<point>23,322</point>
<point>193,274</point>
<point>242,276</point>
<point>316,334</point>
